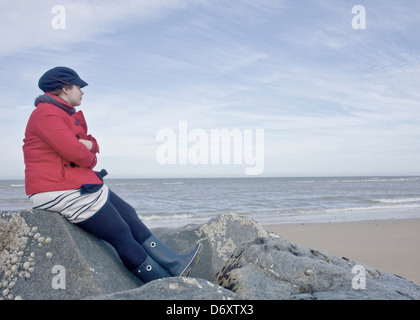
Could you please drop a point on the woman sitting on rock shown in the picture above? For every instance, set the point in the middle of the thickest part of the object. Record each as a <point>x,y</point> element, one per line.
<point>59,159</point>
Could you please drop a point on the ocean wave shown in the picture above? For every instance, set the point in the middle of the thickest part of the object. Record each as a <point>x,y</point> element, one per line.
<point>403,200</point>
<point>391,179</point>
<point>400,206</point>
<point>321,211</point>
<point>167,217</point>
<point>127,184</point>
<point>374,179</point>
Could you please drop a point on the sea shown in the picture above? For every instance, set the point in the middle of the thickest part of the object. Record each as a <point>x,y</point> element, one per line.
<point>177,202</point>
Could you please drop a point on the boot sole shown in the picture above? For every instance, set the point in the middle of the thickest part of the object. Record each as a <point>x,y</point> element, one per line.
<point>194,260</point>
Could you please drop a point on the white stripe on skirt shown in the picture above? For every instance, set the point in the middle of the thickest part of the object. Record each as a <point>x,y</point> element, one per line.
<point>71,204</point>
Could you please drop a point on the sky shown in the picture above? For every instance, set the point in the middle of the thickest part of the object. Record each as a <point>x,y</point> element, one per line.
<point>308,87</point>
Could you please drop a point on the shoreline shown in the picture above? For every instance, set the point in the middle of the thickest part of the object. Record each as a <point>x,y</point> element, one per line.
<point>390,246</point>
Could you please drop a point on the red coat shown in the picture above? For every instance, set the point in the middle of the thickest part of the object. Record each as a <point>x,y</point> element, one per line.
<point>54,158</point>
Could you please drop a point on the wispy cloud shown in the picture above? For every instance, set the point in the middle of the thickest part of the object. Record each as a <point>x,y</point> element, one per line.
<point>329,97</point>
<point>27,24</point>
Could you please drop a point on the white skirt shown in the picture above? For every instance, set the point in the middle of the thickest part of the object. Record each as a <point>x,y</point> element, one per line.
<point>71,204</point>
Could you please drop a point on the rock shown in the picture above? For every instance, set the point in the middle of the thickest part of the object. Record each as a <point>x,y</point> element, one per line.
<point>88,266</point>
<point>273,268</point>
<point>174,289</point>
<point>219,237</point>
<point>72,264</point>
<point>43,256</point>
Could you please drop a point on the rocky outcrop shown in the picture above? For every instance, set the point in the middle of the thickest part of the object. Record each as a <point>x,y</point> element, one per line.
<point>174,289</point>
<point>220,237</point>
<point>45,257</point>
<point>273,268</point>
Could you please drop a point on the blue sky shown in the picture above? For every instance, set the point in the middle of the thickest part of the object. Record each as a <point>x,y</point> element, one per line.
<point>331,99</point>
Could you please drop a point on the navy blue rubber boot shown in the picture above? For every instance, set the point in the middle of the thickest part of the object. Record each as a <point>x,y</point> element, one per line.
<point>150,270</point>
<point>178,265</point>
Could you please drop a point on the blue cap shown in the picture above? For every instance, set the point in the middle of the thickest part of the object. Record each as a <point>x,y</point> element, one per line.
<point>59,77</point>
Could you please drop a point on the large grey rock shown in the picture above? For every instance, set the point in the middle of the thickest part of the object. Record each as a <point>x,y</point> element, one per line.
<point>82,265</point>
<point>273,268</point>
<point>219,237</point>
<point>43,256</point>
<point>174,289</point>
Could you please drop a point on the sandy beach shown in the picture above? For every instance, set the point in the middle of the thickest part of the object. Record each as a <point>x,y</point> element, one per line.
<point>387,245</point>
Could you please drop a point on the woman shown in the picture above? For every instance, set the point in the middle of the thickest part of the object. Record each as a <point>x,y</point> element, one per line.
<point>59,160</point>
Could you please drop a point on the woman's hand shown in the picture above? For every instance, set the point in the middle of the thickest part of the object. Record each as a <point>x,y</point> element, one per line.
<point>87,143</point>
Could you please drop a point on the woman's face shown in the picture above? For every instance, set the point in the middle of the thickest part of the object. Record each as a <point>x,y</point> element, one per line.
<point>73,96</point>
